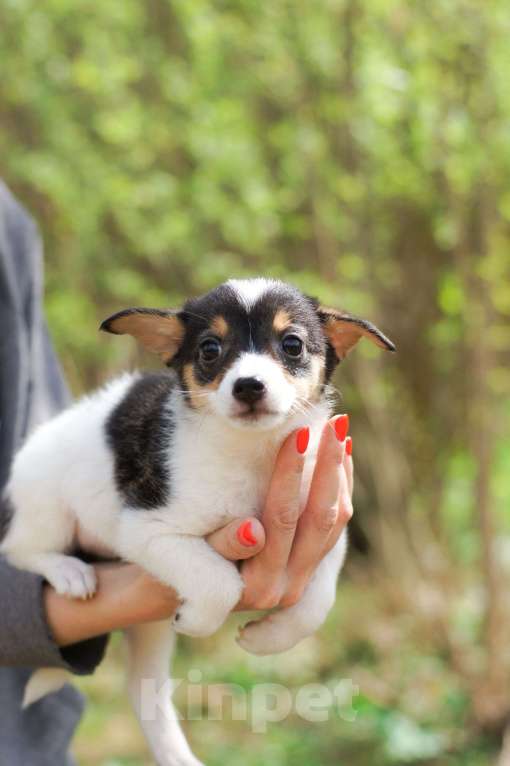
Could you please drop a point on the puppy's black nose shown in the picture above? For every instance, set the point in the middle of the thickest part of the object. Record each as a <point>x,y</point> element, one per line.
<point>249,390</point>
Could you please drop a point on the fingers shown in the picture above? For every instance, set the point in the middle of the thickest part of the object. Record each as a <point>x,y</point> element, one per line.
<point>349,465</point>
<point>295,545</point>
<point>238,540</point>
<point>317,528</point>
<point>265,575</point>
<point>281,510</point>
<point>345,509</point>
<point>344,512</point>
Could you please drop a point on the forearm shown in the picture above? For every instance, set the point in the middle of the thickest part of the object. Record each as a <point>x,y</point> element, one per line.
<point>125,596</point>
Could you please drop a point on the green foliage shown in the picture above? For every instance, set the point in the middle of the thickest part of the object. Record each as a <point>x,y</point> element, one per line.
<point>164,146</point>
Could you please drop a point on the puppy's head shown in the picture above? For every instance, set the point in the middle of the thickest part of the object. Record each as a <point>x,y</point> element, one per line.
<point>251,351</point>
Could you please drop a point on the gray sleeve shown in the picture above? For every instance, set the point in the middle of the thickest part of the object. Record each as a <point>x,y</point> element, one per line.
<point>25,638</point>
<point>31,390</point>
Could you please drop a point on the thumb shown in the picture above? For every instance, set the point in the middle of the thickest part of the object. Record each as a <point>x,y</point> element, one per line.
<point>238,539</point>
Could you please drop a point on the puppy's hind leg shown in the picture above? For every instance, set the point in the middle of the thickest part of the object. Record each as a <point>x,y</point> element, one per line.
<point>150,646</point>
<point>37,537</point>
<point>283,629</point>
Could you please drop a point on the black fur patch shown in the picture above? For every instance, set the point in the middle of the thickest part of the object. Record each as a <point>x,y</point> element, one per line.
<point>331,362</point>
<point>139,431</point>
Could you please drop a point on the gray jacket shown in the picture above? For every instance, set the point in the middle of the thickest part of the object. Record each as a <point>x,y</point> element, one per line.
<point>31,390</point>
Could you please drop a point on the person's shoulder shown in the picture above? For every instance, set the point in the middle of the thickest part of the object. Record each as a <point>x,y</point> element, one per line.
<point>20,244</point>
<point>12,211</point>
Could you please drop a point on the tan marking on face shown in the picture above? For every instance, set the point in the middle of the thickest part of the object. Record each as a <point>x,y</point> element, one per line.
<point>318,376</point>
<point>197,390</point>
<point>219,326</point>
<point>281,320</point>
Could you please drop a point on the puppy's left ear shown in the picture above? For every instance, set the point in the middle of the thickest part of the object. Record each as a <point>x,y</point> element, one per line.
<point>343,331</point>
<point>158,330</point>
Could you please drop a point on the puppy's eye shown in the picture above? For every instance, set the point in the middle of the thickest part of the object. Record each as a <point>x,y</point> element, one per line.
<point>292,345</point>
<point>210,349</point>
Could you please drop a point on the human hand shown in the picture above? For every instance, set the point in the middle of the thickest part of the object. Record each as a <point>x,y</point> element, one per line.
<point>295,544</point>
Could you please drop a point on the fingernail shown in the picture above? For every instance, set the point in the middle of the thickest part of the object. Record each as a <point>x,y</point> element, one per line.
<point>341,427</point>
<point>302,439</point>
<point>348,445</point>
<point>245,534</point>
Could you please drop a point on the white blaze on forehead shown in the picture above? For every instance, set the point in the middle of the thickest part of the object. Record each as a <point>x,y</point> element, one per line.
<point>250,290</point>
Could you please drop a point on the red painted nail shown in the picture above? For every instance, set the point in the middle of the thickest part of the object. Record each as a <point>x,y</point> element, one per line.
<point>342,427</point>
<point>302,439</point>
<point>348,445</point>
<point>245,534</point>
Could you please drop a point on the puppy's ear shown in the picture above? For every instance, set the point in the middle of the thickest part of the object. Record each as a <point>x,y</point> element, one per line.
<point>343,331</point>
<point>160,331</point>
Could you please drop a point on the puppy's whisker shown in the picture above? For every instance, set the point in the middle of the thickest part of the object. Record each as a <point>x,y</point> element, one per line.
<point>195,393</point>
<point>305,403</point>
<point>300,407</point>
<point>332,391</point>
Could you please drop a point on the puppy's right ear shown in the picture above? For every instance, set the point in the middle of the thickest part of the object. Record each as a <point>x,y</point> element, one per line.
<point>158,330</point>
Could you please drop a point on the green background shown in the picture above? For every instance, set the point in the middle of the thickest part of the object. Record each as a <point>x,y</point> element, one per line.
<point>362,151</point>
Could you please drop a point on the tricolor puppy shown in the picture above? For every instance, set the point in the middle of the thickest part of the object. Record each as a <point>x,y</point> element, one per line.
<point>154,462</point>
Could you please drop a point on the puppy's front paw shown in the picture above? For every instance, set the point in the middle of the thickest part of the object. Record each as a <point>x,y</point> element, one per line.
<point>72,577</point>
<point>205,611</point>
<point>194,618</point>
<point>270,635</point>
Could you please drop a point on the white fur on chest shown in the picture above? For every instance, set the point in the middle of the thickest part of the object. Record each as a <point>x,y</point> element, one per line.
<point>219,473</point>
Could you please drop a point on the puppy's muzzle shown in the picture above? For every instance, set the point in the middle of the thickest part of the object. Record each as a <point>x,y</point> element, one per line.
<point>249,390</point>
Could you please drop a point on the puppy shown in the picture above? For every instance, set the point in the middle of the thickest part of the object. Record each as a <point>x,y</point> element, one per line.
<point>152,463</point>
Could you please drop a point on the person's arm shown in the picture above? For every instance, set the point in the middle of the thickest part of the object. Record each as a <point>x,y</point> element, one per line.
<point>26,638</point>
<point>31,390</point>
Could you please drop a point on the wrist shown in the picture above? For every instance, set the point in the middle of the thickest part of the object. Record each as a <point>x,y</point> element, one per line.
<point>126,595</point>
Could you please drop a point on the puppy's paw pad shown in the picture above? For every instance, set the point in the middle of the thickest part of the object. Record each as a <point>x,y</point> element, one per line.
<point>72,577</point>
<point>266,636</point>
